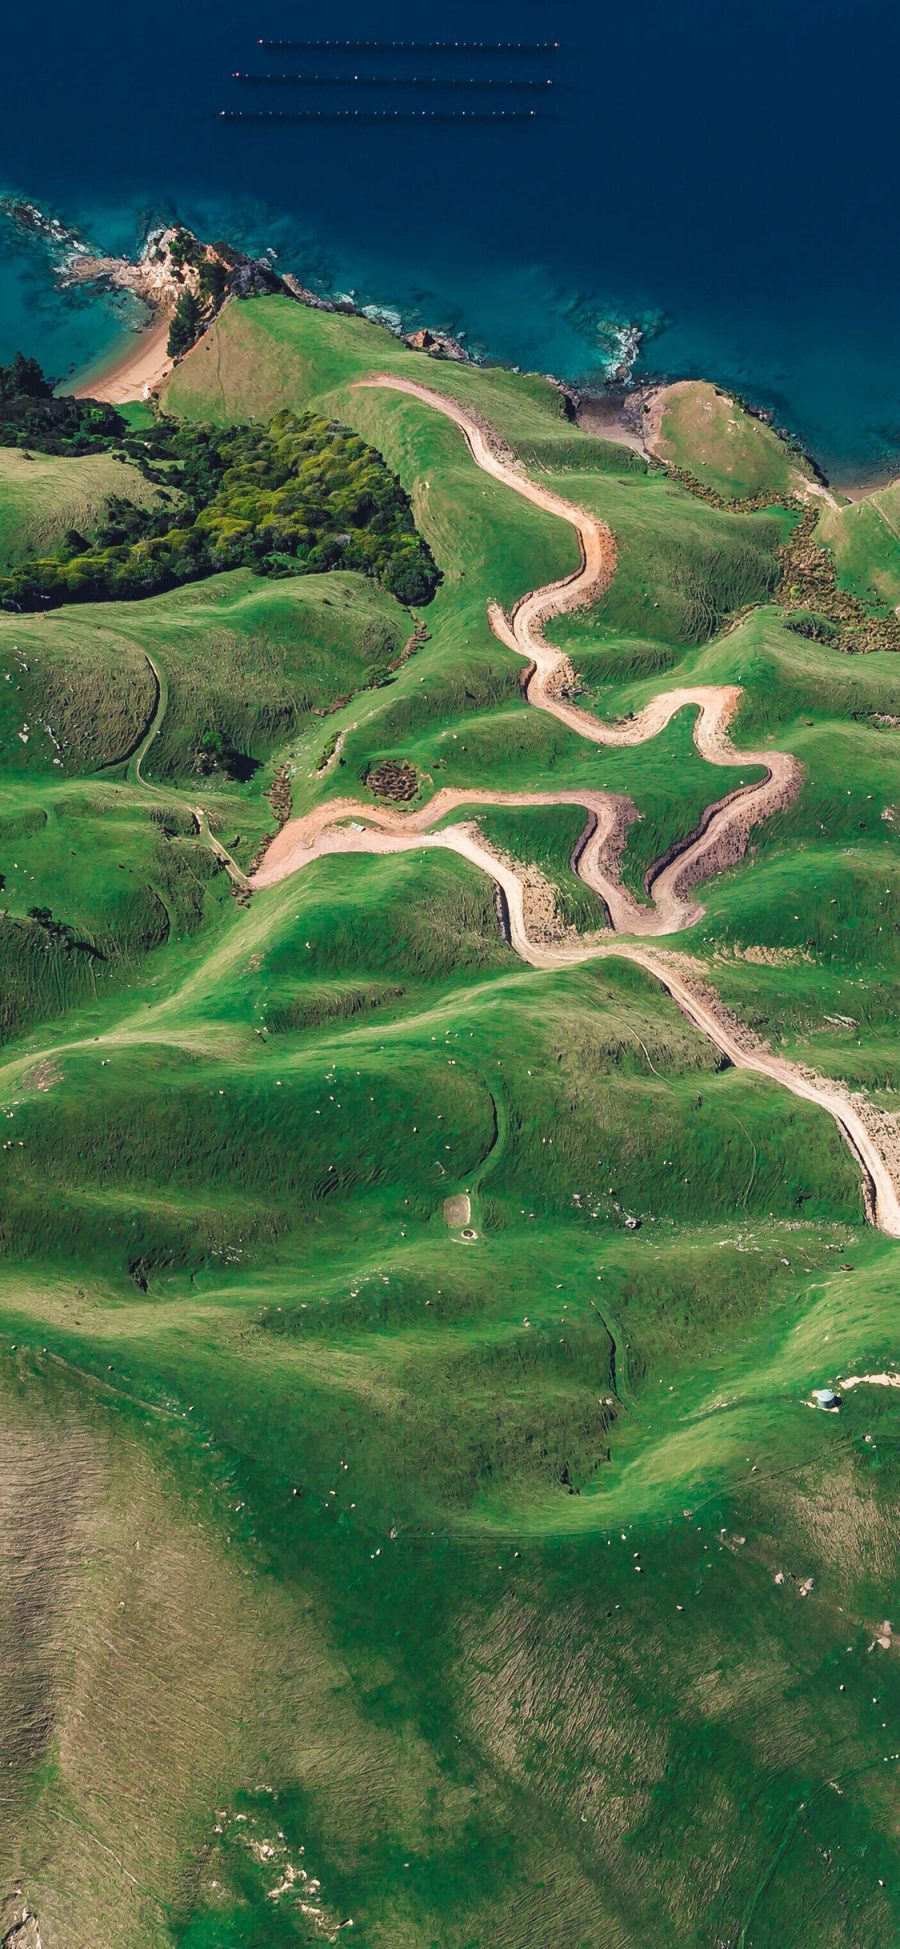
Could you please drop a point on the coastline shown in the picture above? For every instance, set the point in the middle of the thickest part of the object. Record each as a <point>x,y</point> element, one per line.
<point>135,366</point>
<point>133,372</point>
<point>615,417</point>
<point>859,490</point>
<point>626,409</point>
<point>627,418</point>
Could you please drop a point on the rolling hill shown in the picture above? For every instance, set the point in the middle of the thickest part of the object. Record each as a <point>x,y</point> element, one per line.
<point>417,1513</point>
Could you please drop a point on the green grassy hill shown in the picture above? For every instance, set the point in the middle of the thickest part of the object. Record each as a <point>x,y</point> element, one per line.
<point>865,539</point>
<point>243,657</point>
<point>43,495</point>
<point>477,1573</point>
<point>711,436</point>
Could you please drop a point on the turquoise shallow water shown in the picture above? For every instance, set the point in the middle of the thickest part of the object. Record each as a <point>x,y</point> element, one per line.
<point>725,175</point>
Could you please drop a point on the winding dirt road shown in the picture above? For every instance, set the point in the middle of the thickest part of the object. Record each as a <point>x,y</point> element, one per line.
<point>721,837</point>
<point>719,841</point>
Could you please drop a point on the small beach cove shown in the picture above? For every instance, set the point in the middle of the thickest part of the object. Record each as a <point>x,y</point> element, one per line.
<point>132,373</point>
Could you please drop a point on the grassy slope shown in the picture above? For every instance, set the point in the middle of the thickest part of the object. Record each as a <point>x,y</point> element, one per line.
<point>267,355</point>
<point>251,658</point>
<point>865,537</point>
<point>42,495</point>
<point>370,1626</point>
<point>709,434</point>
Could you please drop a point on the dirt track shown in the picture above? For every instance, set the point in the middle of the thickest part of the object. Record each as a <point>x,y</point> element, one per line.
<point>719,842</point>
<point>722,837</point>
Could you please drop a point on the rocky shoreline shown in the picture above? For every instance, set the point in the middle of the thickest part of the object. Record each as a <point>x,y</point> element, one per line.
<point>171,262</point>
<point>172,258</point>
<point>158,278</point>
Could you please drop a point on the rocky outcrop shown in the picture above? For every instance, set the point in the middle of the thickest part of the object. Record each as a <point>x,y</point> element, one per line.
<point>249,277</point>
<point>24,1934</point>
<point>174,261</point>
<point>438,345</point>
<point>170,263</point>
<point>295,289</point>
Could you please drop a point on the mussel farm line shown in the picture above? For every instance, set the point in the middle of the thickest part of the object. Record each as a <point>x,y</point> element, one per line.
<point>417,47</point>
<point>394,80</point>
<point>378,114</point>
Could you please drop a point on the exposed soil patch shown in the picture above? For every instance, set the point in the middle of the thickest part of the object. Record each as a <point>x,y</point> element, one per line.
<point>615,419</point>
<point>42,1077</point>
<point>767,957</point>
<point>457,1210</point>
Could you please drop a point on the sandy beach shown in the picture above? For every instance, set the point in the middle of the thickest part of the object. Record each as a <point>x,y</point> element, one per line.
<point>135,373</point>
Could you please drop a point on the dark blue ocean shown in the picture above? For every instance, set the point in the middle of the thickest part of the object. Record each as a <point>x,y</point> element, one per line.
<point>723,172</point>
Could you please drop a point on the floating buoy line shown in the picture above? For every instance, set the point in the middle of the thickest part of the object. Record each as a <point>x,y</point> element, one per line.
<point>393,80</point>
<point>513,85</point>
<point>419,47</point>
<point>378,114</point>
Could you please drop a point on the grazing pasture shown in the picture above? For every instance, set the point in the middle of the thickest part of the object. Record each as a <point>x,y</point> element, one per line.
<point>494,1582</point>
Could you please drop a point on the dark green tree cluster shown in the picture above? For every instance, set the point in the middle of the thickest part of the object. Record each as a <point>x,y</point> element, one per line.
<point>302,496</point>
<point>212,283</point>
<point>184,330</point>
<point>23,379</point>
<point>185,249</point>
<point>197,304</point>
<point>30,417</point>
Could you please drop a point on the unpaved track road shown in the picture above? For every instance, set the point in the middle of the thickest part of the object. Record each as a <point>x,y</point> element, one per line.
<point>719,842</point>
<point>883,1203</point>
<point>721,837</point>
